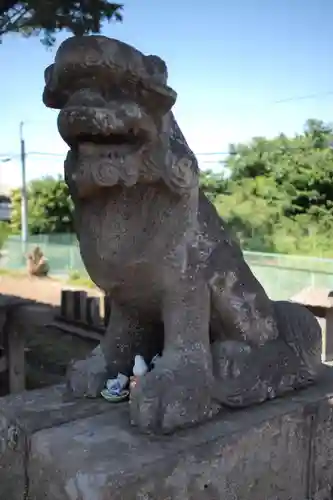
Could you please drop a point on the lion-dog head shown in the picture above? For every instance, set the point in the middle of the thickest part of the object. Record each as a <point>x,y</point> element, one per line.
<point>115,115</point>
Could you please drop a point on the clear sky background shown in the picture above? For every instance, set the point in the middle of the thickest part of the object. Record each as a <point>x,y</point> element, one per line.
<point>229,61</point>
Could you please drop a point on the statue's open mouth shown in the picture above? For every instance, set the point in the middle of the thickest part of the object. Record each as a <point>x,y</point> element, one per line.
<point>104,146</point>
<point>99,130</point>
<point>112,146</point>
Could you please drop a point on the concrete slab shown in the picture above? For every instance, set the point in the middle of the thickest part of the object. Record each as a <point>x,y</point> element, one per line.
<point>278,451</point>
<point>25,414</point>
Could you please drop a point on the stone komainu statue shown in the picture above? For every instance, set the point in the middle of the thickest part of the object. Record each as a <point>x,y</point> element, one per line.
<point>150,238</point>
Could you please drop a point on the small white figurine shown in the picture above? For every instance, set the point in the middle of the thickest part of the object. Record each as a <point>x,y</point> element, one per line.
<point>140,367</point>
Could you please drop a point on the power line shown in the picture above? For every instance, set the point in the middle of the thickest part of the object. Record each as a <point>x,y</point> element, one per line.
<point>317,95</point>
<point>213,162</point>
<point>8,155</point>
<point>33,153</point>
<point>215,153</point>
<point>42,153</point>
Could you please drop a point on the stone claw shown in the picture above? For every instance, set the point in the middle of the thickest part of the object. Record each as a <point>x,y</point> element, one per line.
<point>173,395</point>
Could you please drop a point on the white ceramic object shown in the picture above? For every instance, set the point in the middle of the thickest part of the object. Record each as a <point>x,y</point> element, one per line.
<point>116,385</point>
<point>140,367</point>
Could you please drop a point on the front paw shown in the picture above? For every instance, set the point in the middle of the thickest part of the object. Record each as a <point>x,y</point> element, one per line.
<point>176,394</point>
<point>86,378</point>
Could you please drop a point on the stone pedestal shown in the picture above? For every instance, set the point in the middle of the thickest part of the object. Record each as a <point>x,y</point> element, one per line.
<point>22,417</point>
<point>86,450</point>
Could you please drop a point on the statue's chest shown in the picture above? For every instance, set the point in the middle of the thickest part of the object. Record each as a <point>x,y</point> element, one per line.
<point>126,225</point>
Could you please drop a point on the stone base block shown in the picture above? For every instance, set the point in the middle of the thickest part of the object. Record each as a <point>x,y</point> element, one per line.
<point>24,415</point>
<point>281,450</point>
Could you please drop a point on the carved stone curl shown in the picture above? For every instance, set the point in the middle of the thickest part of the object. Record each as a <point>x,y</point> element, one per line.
<point>150,238</point>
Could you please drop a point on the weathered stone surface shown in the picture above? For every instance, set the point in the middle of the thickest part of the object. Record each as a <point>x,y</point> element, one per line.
<point>277,451</point>
<point>88,382</point>
<point>23,415</point>
<point>155,244</point>
<point>321,463</point>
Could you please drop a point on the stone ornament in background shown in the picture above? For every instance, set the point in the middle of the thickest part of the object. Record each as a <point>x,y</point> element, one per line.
<point>178,282</point>
<point>37,264</point>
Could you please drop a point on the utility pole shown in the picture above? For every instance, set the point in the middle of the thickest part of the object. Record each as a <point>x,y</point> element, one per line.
<point>24,201</point>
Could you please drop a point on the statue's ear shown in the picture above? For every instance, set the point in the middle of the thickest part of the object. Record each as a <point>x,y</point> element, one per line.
<point>157,69</point>
<point>48,74</point>
<point>52,98</point>
<point>160,97</point>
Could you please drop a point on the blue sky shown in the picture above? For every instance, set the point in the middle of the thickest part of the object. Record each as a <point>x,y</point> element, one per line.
<point>229,61</point>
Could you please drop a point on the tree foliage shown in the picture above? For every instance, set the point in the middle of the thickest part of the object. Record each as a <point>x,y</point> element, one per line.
<point>279,194</point>
<point>213,184</point>
<point>45,18</point>
<point>50,207</point>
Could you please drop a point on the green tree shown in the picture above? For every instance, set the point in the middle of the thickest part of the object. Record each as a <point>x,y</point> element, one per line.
<point>50,207</point>
<point>213,184</point>
<point>45,18</point>
<point>279,195</point>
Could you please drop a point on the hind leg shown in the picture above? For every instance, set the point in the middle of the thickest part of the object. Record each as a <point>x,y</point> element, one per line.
<point>301,331</point>
<point>240,302</point>
<point>246,375</point>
